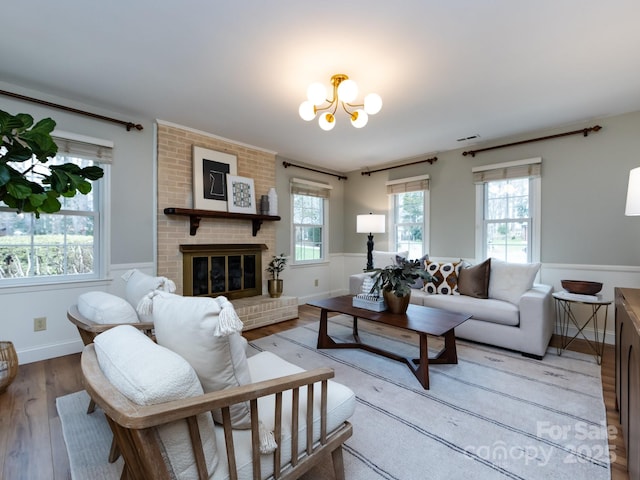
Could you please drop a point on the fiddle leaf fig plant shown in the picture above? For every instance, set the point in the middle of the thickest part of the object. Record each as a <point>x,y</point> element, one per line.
<point>34,186</point>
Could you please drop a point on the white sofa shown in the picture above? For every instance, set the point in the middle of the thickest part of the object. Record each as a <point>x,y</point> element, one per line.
<point>524,324</point>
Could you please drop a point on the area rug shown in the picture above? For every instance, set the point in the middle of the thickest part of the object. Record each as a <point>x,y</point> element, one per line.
<point>494,415</point>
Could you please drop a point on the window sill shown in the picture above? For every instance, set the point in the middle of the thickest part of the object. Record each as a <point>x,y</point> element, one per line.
<point>34,286</point>
<point>319,263</point>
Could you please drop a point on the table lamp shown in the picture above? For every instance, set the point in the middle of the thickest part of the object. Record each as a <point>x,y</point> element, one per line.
<point>370,224</point>
<point>633,193</point>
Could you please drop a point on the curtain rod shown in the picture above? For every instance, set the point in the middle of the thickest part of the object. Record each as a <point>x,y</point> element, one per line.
<point>430,160</point>
<point>584,132</point>
<point>287,164</point>
<point>129,125</point>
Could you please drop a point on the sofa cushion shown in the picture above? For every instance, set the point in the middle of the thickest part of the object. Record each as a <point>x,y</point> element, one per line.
<point>149,374</point>
<point>445,277</point>
<point>104,308</point>
<point>140,284</point>
<point>489,310</point>
<point>474,281</point>
<point>205,331</point>
<point>382,259</point>
<point>509,281</point>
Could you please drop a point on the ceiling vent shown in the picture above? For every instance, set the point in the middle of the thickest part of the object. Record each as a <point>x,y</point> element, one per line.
<point>466,139</point>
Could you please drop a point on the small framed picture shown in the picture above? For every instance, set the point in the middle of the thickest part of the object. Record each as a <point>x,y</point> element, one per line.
<point>210,170</point>
<point>241,194</point>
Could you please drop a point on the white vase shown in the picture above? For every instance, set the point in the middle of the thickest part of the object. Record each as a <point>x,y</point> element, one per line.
<point>273,202</point>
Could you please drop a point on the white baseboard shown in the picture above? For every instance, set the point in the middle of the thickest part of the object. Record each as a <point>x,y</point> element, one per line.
<point>320,296</point>
<point>44,352</point>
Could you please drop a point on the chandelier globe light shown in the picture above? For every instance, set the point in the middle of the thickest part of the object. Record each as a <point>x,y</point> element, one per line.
<point>345,92</point>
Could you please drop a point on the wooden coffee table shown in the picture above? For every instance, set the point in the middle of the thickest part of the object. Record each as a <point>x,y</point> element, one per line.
<point>421,320</point>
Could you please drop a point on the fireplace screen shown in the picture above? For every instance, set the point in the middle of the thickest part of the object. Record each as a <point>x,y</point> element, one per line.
<point>234,271</point>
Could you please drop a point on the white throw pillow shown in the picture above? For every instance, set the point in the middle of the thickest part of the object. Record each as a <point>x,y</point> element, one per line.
<point>192,327</point>
<point>149,374</point>
<point>508,281</point>
<point>104,308</point>
<point>140,284</point>
<point>383,259</point>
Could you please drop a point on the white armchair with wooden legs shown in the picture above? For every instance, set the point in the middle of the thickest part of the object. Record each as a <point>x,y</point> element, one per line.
<point>162,420</point>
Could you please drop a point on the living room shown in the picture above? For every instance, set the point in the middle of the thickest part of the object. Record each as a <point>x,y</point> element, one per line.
<point>584,233</point>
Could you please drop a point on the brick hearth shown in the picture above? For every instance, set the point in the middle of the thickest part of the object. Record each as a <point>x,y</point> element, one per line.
<point>263,310</point>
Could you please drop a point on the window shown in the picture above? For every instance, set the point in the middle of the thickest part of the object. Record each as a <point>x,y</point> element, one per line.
<point>66,245</point>
<point>508,198</point>
<point>409,207</point>
<point>309,205</point>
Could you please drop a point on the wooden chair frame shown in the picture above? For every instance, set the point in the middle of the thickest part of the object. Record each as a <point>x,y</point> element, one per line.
<point>133,425</point>
<point>89,330</point>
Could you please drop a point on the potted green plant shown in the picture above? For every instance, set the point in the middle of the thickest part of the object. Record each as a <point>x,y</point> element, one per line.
<point>395,281</point>
<point>35,186</point>
<point>275,283</point>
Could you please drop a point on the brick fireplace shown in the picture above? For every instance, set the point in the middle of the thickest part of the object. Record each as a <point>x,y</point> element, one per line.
<point>233,269</point>
<point>175,145</point>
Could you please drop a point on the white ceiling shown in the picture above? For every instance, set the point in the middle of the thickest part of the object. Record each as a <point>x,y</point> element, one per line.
<point>445,69</point>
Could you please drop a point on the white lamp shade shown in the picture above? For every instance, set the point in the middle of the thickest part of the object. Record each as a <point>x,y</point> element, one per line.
<point>372,103</point>
<point>316,93</point>
<point>347,91</point>
<point>361,119</point>
<point>633,193</point>
<point>327,121</point>
<point>370,223</point>
<point>307,111</point>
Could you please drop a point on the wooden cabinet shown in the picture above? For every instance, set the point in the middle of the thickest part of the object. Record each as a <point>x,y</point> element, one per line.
<point>627,354</point>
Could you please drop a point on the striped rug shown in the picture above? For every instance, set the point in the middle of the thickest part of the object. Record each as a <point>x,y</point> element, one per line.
<point>494,415</point>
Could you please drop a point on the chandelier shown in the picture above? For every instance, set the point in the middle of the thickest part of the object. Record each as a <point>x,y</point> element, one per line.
<point>345,92</point>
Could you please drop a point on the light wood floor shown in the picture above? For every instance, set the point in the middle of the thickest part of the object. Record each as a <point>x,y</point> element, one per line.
<point>31,442</point>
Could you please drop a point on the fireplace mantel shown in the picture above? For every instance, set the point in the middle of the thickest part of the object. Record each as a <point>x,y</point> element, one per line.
<point>196,215</point>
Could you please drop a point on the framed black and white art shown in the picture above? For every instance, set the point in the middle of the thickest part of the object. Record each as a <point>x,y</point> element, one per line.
<point>210,171</point>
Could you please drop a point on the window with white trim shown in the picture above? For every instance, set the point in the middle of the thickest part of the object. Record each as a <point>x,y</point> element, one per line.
<point>409,215</point>
<point>309,204</point>
<point>63,246</point>
<point>508,199</point>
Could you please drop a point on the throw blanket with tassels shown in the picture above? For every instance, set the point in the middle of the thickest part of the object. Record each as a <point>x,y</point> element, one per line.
<point>228,320</point>
<point>228,323</point>
<point>164,283</point>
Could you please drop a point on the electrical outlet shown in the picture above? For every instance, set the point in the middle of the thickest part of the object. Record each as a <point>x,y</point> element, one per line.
<point>315,282</point>
<point>39,324</point>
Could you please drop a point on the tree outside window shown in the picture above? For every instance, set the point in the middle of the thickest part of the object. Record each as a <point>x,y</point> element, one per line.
<point>54,246</point>
<point>507,220</point>
<point>409,222</point>
<point>308,228</point>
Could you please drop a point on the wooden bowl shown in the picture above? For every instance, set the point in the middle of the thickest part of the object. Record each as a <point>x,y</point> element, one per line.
<point>582,287</point>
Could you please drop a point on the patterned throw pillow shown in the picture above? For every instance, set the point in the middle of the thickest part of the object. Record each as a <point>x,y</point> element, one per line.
<point>445,277</point>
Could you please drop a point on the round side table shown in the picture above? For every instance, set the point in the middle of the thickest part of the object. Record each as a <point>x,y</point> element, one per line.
<point>566,316</point>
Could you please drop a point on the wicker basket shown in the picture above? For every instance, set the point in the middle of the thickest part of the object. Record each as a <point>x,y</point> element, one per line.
<point>8,365</point>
